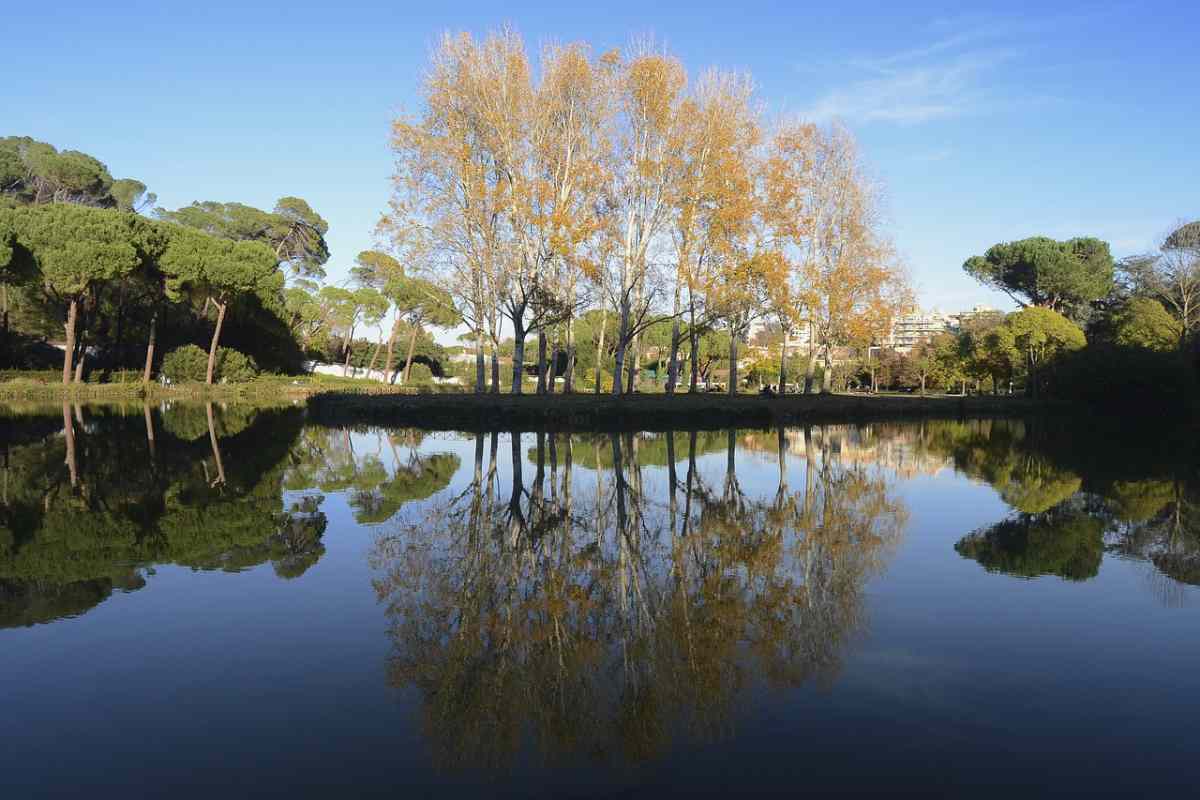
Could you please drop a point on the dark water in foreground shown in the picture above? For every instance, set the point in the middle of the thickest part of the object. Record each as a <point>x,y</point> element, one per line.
<point>246,604</point>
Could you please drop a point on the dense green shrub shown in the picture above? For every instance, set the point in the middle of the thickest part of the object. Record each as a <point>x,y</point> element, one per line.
<point>190,364</point>
<point>420,375</point>
<point>1115,377</point>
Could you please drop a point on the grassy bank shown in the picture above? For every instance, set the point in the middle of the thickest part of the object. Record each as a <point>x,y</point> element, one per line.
<point>333,400</point>
<point>646,412</point>
<point>268,387</point>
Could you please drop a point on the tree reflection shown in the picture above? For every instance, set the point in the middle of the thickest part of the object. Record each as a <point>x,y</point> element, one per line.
<point>1072,502</point>
<point>1159,521</point>
<point>1067,542</point>
<point>325,459</point>
<point>83,513</point>
<point>605,616</point>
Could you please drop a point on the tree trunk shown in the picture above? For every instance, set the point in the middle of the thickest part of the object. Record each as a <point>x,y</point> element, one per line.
<point>600,352</point>
<point>783,365</point>
<point>518,366</point>
<point>827,375</point>
<point>216,339</point>
<point>391,343</point>
<point>412,345</point>
<point>673,359</point>
<point>79,362</point>
<point>541,363</point>
<point>733,366</point>
<point>623,339</point>
<point>479,374</point>
<point>349,353</point>
<point>810,368</point>
<point>374,357</point>
<point>569,377</point>
<point>495,370</point>
<point>150,342</point>
<point>632,359</point>
<point>618,380</point>
<point>69,346</point>
<point>569,374</point>
<point>693,356</point>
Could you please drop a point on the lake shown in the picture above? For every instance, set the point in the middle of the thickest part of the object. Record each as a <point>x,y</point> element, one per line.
<point>201,601</point>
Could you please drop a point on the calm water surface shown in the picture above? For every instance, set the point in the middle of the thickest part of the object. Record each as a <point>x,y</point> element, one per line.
<point>207,601</point>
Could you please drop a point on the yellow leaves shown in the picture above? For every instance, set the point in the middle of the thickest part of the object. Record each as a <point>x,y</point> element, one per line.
<point>592,166</point>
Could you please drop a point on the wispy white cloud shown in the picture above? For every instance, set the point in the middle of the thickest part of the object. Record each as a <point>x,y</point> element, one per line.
<point>933,156</point>
<point>913,89</point>
<point>963,70</point>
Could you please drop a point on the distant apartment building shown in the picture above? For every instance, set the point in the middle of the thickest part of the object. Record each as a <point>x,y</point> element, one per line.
<point>798,339</point>
<point>910,330</point>
<point>977,312</point>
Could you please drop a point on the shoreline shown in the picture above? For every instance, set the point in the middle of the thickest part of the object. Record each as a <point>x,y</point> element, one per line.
<point>473,412</point>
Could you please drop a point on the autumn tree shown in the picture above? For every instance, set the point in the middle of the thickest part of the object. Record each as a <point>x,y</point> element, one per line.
<point>717,130</point>
<point>646,170</point>
<point>449,192</point>
<point>559,215</point>
<point>788,197</point>
<point>851,281</point>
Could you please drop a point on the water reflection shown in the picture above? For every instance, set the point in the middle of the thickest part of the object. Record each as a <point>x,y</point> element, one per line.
<point>89,503</point>
<point>606,619</point>
<point>1078,493</point>
<point>583,602</point>
<point>326,459</point>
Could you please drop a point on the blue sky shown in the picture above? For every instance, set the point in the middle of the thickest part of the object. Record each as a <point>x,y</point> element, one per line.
<point>983,124</point>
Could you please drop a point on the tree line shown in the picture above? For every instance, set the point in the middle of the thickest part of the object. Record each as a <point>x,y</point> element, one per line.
<point>610,184</point>
<point>1088,327</point>
<point>89,259</point>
